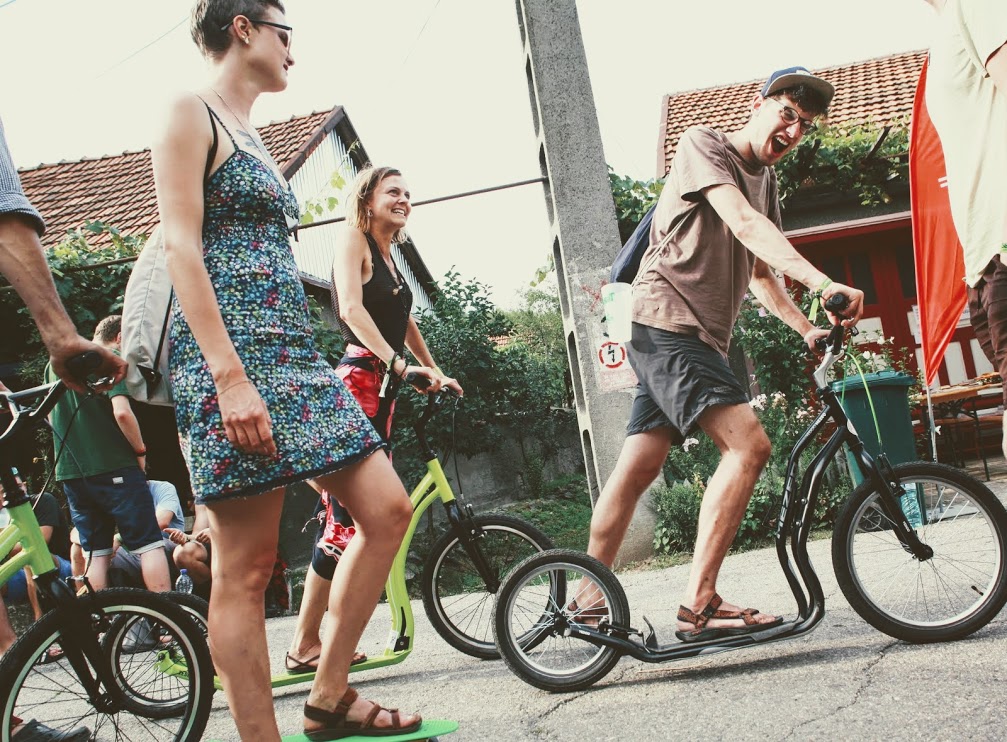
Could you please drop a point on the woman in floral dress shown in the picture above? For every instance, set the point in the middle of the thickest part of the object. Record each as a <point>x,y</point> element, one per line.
<point>257,407</point>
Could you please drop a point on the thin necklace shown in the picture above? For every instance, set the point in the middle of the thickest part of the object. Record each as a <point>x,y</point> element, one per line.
<point>251,136</point>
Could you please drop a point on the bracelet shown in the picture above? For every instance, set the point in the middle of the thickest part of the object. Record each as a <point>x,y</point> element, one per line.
<point>138,454</point>
<point>237,383</point>
<point>437,370</point>
<point>825,284</point>
<point>391,365</point>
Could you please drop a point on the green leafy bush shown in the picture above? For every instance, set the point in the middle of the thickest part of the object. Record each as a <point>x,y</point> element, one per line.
<point>677,508</point>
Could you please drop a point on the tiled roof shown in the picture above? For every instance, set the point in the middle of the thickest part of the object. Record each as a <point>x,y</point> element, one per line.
<point>878,90</point>
<point>119,189</point>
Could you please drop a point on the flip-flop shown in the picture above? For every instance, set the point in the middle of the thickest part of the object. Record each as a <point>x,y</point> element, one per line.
<point>311,664</point>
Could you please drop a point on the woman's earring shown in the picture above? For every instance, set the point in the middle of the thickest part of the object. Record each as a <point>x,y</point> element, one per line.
<point>246,40</point>
<point>369,214</point>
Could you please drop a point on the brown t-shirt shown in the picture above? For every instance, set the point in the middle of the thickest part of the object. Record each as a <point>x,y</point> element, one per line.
<point>695,283</point>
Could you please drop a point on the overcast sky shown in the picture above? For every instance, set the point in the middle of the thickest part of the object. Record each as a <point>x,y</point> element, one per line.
<point>434,87</point>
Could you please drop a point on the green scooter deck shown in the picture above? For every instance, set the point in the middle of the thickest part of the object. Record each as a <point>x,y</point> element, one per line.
<point>429,728</point>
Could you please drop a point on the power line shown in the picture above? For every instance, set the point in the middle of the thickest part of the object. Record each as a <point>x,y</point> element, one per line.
<point>142,48</point>
<point>9,2</point>
<point>416,41</point>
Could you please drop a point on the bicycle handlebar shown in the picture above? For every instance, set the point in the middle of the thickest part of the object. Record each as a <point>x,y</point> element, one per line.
<point>80,366</point>
<point>832,345</point>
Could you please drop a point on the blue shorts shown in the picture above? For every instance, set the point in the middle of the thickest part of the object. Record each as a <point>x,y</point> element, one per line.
<point>120,498</point>
<point>17,585</point>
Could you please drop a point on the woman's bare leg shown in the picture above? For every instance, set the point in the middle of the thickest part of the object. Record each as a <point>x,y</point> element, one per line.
<point>245,533</point>
<point>307,640</point>
<point>375,498</point>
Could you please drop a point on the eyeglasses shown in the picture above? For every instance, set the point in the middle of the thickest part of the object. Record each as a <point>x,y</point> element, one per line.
<point>791,117</point>
<point>286,33</point>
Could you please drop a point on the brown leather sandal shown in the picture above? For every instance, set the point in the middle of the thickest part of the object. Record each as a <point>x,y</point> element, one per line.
<point>337,726</point>
<point>588,616</point>
<point>712,610</point>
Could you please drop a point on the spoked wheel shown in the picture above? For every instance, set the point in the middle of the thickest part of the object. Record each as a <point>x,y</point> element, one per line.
<point>146,685</point>
<point>531,624</point>
<point>161,675</point>
<point>458,600</point>
<point>954,593</point>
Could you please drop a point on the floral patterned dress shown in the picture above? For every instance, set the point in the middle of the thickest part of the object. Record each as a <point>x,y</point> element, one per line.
<point>318,426</point>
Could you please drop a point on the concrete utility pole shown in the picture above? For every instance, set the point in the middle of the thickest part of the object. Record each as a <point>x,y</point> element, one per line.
<point>585,238</point>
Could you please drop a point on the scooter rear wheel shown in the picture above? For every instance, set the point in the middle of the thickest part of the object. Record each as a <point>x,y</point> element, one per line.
<point>532,627</point>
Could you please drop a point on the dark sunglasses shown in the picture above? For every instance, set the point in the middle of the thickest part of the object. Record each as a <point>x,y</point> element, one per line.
<point>286,33</point>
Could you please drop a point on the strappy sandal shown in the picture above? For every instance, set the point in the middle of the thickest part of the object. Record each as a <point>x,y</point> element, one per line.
<point>700,632</point>
<point>588,616</point>
<point>337,726</point>
<point>297,667</point>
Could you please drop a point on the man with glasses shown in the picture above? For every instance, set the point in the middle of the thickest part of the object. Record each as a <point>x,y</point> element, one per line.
<point>966,97</point>
<point>716,234</point>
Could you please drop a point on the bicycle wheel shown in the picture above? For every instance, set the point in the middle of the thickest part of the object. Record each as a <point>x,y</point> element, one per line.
<point>555,661</point>
<point>168,663</point>
<point>948,596</point>
<point>457,600</point>
<point>142,682</point>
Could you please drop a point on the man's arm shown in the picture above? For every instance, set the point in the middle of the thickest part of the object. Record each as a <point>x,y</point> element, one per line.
<point>757,233</point>
<point>22,262</point>
<point>130,427</point>
<point>773,295</point>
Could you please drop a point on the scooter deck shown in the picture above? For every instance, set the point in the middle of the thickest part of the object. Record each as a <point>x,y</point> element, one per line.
<point>429,728</point>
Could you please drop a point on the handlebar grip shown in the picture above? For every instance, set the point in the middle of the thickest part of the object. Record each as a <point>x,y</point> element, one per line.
<point>82,365</point>
<point>417,380</point>
<point>837,303</point>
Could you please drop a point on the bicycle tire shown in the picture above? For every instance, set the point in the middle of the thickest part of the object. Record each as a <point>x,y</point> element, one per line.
<point>558,662</point>
<point>135,699</point>
<point>456,598</point>
<point>54,695</point>
<point>949,596</point>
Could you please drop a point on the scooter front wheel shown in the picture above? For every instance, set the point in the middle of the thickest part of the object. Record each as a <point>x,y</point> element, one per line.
<point>532,627</point>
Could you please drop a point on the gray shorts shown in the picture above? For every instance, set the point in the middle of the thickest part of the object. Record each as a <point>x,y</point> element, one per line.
<point>680,377</point>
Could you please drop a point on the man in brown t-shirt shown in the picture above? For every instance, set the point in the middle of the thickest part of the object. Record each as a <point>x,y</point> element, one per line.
<point>716,234</point>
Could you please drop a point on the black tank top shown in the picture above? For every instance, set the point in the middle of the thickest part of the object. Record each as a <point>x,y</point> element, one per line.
<point>387,301</point>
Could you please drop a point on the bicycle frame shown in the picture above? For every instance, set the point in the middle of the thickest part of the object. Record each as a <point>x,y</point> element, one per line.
<point>79,644</point>
<point>792,532</point>
<point>432,487</point>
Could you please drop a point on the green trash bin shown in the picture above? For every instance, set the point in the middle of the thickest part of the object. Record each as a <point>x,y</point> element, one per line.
<point>890,394</point>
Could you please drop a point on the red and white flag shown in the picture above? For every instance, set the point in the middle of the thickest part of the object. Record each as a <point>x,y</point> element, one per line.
<point>940,268</point>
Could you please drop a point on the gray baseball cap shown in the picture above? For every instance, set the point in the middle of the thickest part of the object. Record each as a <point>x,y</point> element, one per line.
<point>792,76</point>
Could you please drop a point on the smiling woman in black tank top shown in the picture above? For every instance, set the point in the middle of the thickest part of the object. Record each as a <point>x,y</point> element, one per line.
<point>372,302</point>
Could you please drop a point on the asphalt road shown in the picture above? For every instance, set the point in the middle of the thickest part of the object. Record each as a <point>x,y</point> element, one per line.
<point>845,680</point>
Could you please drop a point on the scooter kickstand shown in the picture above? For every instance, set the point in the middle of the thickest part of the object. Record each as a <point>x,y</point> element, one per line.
<point>650,641</point>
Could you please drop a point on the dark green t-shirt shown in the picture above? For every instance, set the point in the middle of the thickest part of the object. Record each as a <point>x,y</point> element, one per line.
<point>87,437</point>
<point>48,513</point>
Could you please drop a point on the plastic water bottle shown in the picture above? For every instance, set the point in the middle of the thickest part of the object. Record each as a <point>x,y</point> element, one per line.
<point>184,583</point>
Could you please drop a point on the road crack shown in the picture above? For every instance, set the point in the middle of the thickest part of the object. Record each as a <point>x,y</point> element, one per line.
<point>866,682</point>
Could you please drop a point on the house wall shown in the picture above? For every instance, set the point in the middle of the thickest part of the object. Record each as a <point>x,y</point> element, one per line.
<point>882,265</point>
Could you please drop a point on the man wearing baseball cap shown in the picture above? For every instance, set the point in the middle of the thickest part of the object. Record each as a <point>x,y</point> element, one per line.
<point>716,235</point>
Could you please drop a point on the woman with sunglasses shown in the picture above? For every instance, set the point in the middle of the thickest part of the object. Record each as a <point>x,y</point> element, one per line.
<point>257,407</point>
<point>372,302</point>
